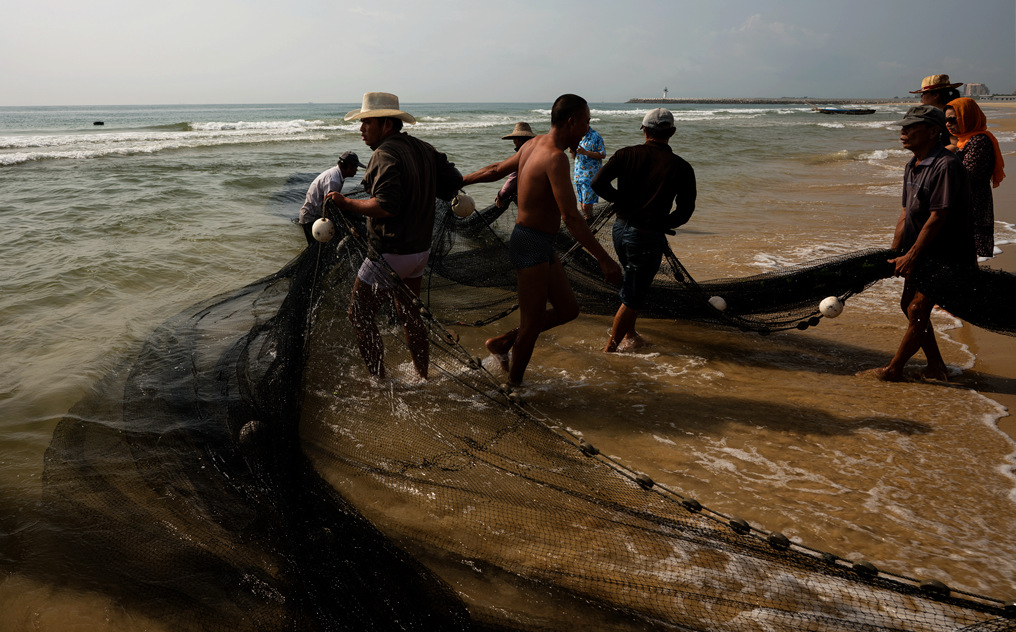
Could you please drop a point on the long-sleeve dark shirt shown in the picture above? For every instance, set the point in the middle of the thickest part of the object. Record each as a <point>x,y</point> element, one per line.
<point>405,174</point>
<point>655,187</point>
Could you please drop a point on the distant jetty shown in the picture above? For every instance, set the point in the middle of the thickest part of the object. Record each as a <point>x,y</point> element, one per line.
<point>761,101</point>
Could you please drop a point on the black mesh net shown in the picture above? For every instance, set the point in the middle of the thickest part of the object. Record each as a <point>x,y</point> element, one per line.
<point>246,473</point>
<point>473,252</point>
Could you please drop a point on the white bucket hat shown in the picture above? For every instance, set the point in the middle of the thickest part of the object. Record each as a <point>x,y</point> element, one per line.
<point>380,104</point>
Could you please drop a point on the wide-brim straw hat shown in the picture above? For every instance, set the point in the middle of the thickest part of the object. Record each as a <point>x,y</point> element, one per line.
<point>380,104</point>
<point>935,82</point>
<point>522,130</point>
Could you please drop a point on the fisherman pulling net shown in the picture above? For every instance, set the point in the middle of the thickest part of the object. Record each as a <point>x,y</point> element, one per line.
<point>247,473</point>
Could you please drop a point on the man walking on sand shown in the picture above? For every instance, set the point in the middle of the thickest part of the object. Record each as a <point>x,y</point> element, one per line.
<point>934,227</point>
<point>403,176</point>
<point>545,198</point>
<point>651,180</point>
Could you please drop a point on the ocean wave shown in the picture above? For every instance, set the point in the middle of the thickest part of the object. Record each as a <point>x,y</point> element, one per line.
<point>482,122</point>
<point>688,115</point>
<point>1005,233</point>
<point>875,157</point>
<point>172,127</point>
<point>885,190</point>
<point>884,154</point>
<point>296,125</point>
<point>82,146</point>
<point>17,149</point>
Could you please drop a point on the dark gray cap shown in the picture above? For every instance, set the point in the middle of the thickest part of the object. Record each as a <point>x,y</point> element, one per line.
<point>923,114</point>
<point>349,158</point>
<point>660,119</point>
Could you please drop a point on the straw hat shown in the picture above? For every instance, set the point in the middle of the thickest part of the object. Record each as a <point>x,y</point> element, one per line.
<point>380,104</point>
<point>522,130</point>
<point>935,82</point>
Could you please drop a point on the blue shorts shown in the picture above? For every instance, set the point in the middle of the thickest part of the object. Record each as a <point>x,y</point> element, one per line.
<point>584,189</point>
<point>528,247</point>
<point>640,253</point>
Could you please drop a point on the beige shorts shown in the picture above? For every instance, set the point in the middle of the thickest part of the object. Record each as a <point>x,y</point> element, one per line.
<point>406,266</point>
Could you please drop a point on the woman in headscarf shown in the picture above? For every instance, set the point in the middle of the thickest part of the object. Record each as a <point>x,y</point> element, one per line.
<point>978,149</point>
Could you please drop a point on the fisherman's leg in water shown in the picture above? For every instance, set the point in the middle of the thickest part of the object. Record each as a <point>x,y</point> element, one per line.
<point>623,326</point>
<point>640,253</point>
<point>416,330</point>
<point>363,308</point>
<point>919,335</point>
<point>537,285</point>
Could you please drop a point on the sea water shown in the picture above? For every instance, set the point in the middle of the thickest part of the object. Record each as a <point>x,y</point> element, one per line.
<point>107,230</point>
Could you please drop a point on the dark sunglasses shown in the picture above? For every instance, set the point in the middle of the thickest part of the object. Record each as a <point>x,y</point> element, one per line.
<point>950,119</point>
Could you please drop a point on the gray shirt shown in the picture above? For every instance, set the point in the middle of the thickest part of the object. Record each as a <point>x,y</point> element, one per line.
<point>939,183</point>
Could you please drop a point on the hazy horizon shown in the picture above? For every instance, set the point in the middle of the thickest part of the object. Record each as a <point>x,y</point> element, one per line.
<point>115,52</point>
<point>353,104</point>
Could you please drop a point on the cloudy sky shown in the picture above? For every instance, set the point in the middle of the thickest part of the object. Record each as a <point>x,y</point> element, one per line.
<point>104,52</point>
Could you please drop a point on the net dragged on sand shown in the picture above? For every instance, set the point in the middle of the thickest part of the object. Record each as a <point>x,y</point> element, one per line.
<point>245,474</point>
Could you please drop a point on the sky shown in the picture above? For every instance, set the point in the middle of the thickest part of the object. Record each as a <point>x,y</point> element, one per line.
<point>113,52</point>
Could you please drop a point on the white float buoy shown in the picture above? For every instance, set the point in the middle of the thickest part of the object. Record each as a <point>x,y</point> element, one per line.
<point>463,205</point>
<point>718,303</point>
<point>831,307</point>
<point>323,229</point>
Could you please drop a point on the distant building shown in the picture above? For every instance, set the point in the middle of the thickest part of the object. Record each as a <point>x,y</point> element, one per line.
<point>975,90</point>
<point>665,93</point>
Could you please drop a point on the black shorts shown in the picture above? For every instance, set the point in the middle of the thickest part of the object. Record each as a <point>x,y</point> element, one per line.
<point>528,247</point>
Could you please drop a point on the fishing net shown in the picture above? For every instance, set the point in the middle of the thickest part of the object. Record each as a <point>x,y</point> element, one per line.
<point>473,252</point>
<point>245,472</point>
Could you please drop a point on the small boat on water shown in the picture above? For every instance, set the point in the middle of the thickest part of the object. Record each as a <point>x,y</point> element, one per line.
<point>854,111</point>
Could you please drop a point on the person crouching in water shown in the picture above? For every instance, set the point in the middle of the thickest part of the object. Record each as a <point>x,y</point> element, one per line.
<point>651,181</point>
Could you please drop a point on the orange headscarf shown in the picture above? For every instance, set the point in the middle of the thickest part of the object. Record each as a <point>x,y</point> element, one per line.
<point>970,121</point>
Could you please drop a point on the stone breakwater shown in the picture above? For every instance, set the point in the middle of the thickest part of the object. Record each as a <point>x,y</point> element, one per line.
<point>778,101</point>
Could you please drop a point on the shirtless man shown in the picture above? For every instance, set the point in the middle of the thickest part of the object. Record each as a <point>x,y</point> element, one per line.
<point>545,198</point>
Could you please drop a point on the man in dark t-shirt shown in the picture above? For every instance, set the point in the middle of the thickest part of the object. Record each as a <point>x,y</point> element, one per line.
<point>403,177</point>
<point>655,194</point>
<point>934,227</point>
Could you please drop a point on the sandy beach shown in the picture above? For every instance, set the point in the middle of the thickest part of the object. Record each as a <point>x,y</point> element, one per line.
<point>994,370</point>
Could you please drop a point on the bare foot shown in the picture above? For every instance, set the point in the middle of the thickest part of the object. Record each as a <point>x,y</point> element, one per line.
<point>881,373</point>
<point>500,352</point>
<point>935,373</point>
<point>633,341</point>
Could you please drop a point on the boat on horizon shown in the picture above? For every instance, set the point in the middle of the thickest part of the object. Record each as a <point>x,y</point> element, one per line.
<point>853,111</point>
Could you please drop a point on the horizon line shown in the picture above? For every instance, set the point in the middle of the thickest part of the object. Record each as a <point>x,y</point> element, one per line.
<point>669,99</point>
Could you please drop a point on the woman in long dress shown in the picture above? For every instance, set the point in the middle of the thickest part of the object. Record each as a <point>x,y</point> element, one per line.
<point>978,149</point>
